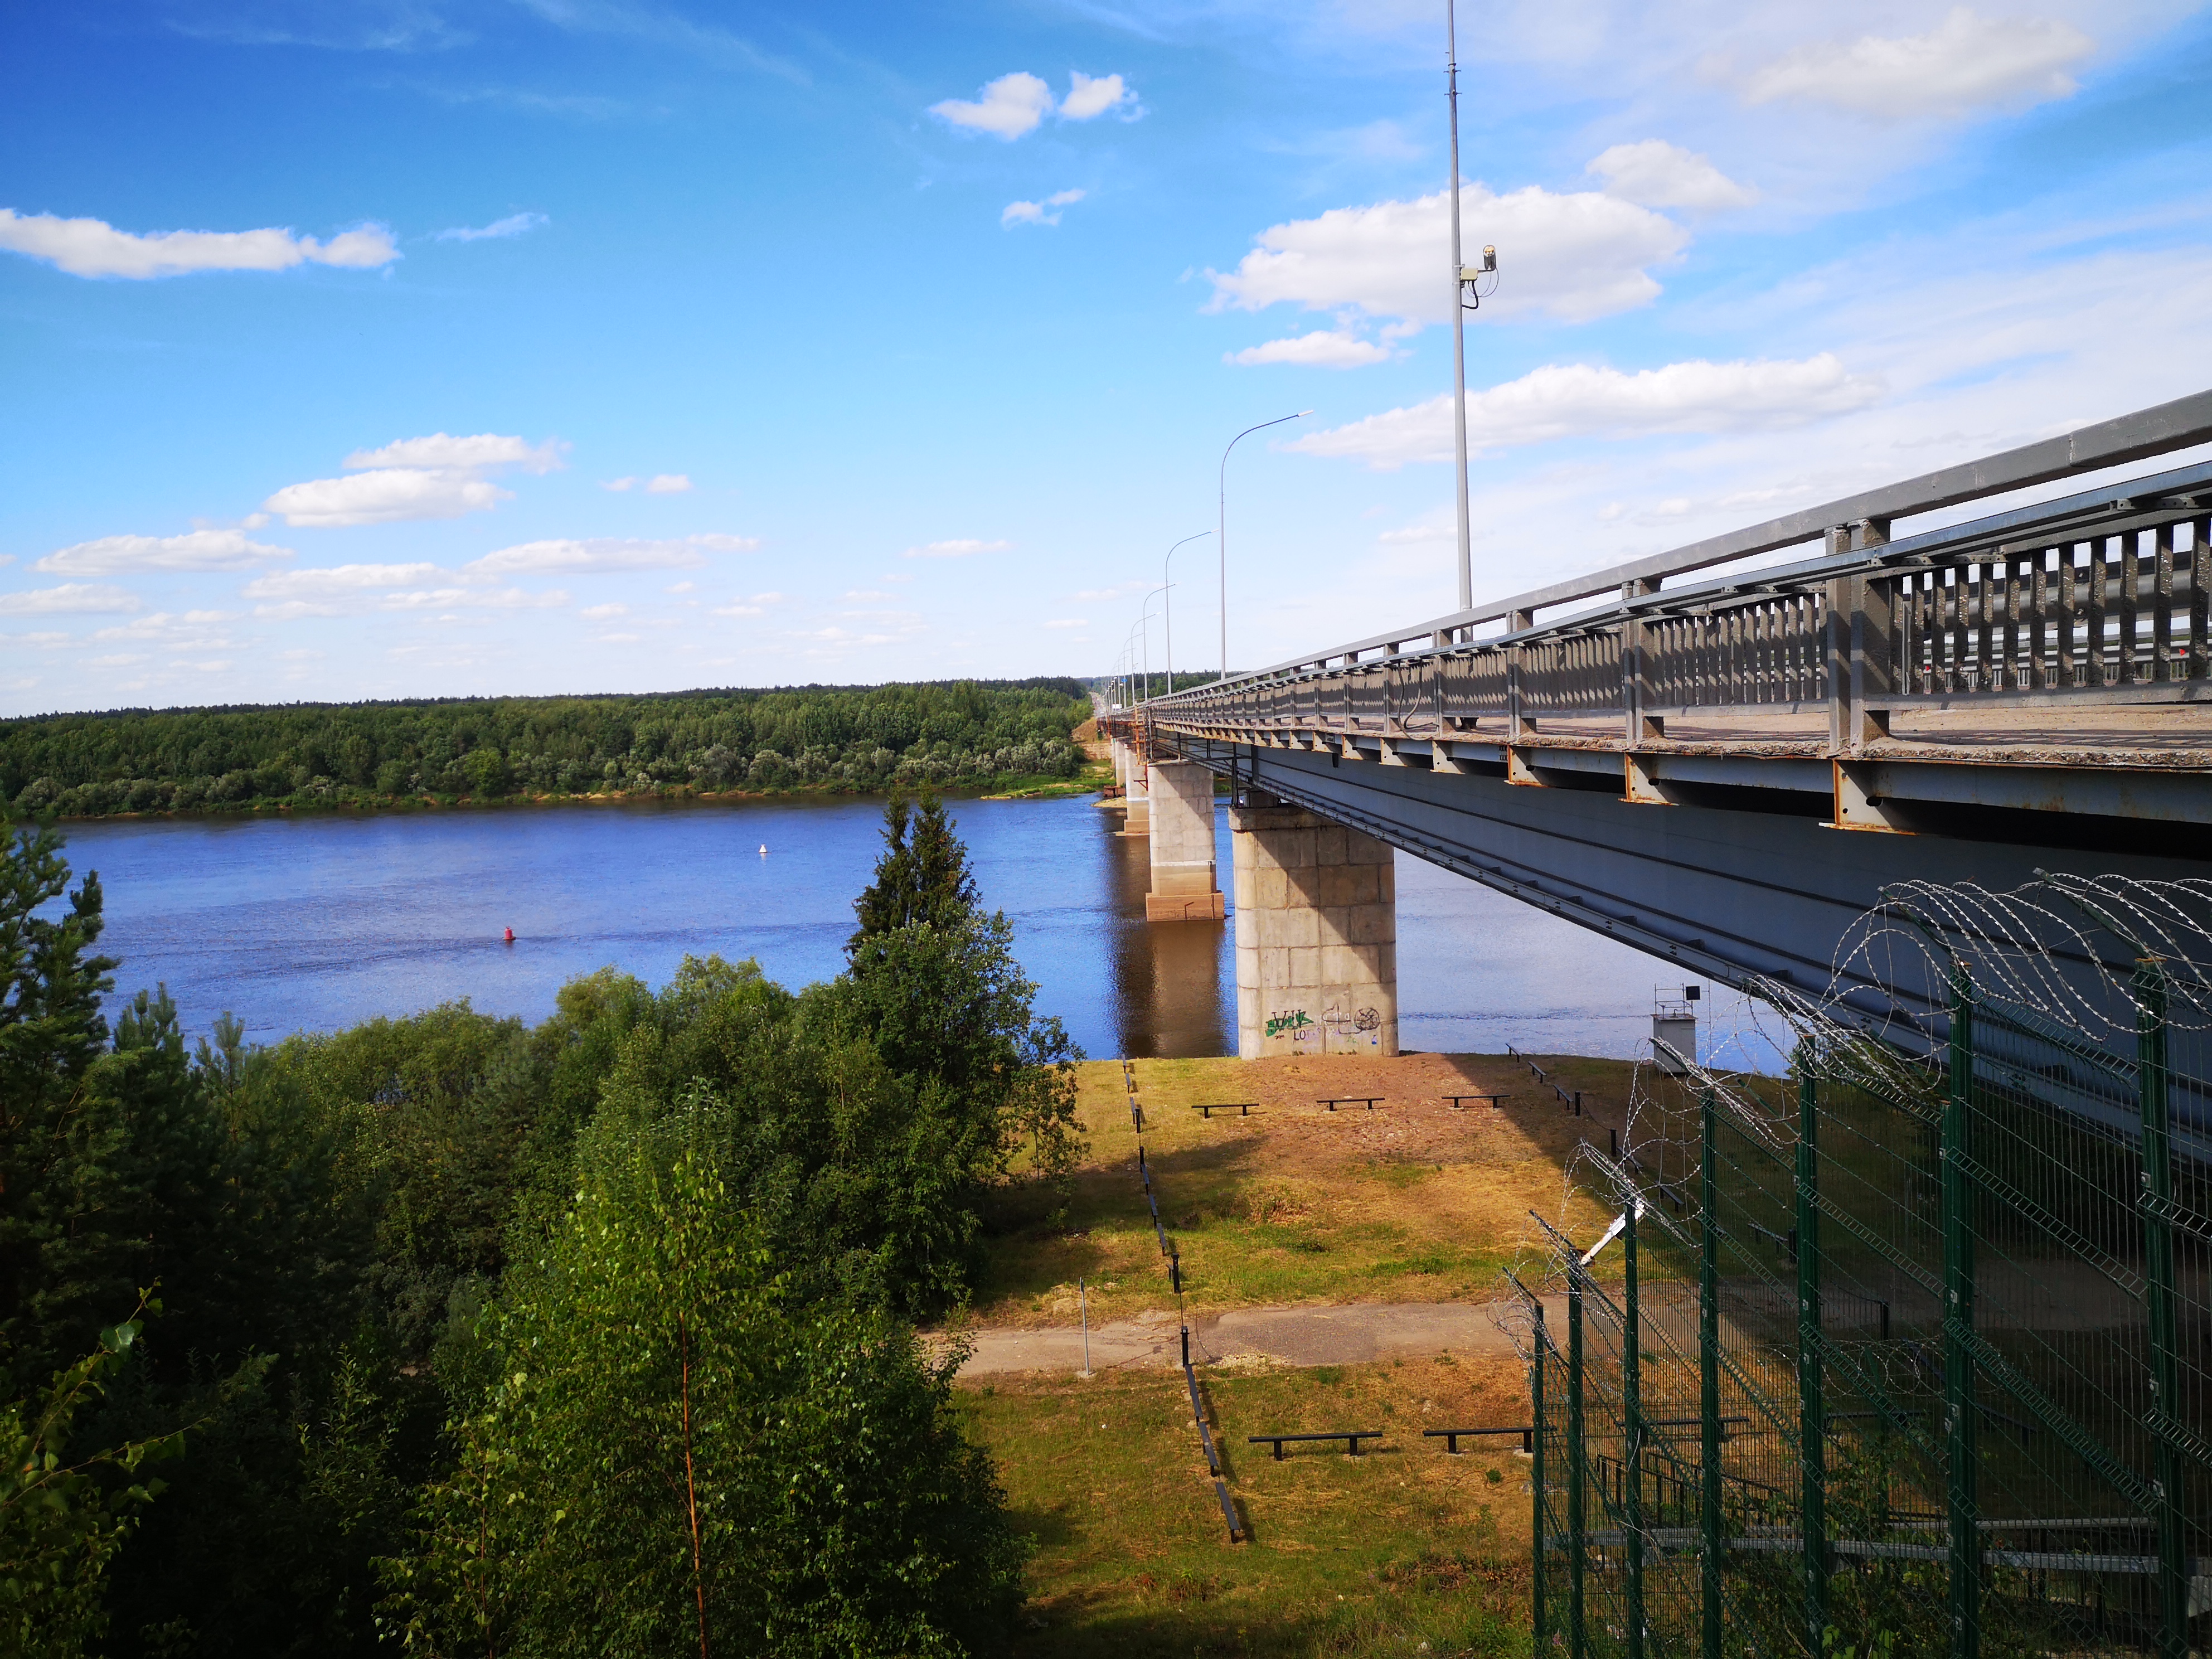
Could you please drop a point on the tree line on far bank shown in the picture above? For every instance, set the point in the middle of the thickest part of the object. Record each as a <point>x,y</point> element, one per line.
<point>954,734</point>
<point>456,1335</point>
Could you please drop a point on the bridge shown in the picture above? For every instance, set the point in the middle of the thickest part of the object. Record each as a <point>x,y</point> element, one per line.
<point>1718,761</point>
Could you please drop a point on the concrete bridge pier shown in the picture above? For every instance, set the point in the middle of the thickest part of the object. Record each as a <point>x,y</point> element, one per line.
<point>1136,804</point>
<point>1184,888</point>
<point>1316,935</point>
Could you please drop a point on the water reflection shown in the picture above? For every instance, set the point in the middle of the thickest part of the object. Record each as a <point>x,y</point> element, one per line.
<point>1175,984</point>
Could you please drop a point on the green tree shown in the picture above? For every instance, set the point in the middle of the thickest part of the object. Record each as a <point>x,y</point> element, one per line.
<point>664,1451</point>
<point>65,1512</point>
<point>921,876</point>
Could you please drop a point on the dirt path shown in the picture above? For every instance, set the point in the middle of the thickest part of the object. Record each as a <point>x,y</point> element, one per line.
<point>1307,1335</point>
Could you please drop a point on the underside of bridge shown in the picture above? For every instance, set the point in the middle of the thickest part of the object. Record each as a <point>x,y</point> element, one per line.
<point>1722,887</point>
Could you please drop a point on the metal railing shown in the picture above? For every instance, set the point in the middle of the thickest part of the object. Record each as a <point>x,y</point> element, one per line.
<point>2103,597</point>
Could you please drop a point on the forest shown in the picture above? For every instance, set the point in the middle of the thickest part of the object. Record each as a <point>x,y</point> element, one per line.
<point>964,734</point>
<point>453,1335</point>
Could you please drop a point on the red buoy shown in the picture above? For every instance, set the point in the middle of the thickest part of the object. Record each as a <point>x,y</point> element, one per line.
<point>510,936</point>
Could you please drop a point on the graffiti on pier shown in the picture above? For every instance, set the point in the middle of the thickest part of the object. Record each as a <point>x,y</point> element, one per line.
<point>1295,1021</point>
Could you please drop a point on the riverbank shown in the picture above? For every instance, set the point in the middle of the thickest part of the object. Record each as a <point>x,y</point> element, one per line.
<point>1029,788</point>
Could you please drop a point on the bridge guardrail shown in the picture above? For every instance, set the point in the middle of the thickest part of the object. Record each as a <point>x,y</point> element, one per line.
<point>2098,598</point>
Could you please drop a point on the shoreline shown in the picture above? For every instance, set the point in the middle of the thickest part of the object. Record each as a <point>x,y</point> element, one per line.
<point>1056,789</point>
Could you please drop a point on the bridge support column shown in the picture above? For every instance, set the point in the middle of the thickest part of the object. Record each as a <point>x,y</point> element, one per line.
<point>1136,795</point>
<point>1181,799</point>
<point>1316,935</point>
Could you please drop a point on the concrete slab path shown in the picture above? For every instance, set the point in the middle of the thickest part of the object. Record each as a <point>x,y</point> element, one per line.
<point>1323,1334</point>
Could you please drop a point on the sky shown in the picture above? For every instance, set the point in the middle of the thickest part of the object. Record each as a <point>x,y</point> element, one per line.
<point>357,349</point>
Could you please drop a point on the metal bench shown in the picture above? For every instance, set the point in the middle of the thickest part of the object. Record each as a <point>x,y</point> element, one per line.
<point>1241,1108</point>
<point>1351,1437</point>
<point>1370,1102</point>
<point>1459,1102</point>
<point>1451,1437</point>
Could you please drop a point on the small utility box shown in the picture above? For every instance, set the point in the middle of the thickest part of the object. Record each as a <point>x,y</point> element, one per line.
<point>1674,1028</point>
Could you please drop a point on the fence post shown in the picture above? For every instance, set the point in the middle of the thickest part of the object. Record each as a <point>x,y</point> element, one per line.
<point>1812,1405</point>
<point>1577,1543</point>
<point>1632,1412</point>
<point>1536,1477</point>
<point>1959,1455</point>
<point>2156,1205</point>
<point>1708,1382</point>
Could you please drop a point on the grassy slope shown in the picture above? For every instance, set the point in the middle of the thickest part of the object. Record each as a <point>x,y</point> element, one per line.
<point>1383,1553</point>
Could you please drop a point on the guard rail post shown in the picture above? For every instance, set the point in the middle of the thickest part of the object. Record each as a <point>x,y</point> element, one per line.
<point>1517,724</point>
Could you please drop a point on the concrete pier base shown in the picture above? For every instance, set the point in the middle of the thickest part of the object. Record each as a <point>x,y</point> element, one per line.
<point>1316,935</point>
<point>1184,887</point>
<point>1135,790</point>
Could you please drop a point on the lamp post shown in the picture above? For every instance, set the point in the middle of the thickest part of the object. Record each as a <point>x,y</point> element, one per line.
<point>1167,609</point>
<point>1221,524</point>
<point>1144,623</point>
<point>1459,320</point>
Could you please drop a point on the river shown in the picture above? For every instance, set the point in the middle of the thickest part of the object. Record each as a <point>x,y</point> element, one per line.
<point>314,923</point>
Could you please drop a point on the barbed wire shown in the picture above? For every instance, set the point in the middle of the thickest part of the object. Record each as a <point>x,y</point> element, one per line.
<point>2064,947</point>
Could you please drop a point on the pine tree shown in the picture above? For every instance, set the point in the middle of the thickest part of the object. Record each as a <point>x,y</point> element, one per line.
<point>921,878</point>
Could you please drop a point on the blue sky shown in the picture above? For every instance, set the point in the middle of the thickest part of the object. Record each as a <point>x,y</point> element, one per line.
<point>525,346</point>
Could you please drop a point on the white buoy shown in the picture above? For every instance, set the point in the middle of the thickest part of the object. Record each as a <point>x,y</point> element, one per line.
<point>763,849</point>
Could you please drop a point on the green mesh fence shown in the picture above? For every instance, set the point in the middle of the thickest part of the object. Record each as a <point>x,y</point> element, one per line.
<point>1907,1352</point>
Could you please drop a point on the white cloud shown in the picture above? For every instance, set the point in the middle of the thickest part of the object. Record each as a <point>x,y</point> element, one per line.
<point>504,599</point>
<point>1091,96</point>
<point>958,548</point>
<point>739,611</point>
<point>71,599</point>
<point>680,587</point>
<point>437,477</point>
<point>386,496</point>
<point>331,581</point>
<point>1413,535</point>
<point>200,550</point>
<point>92,248</point>
<point>1098,595</point>
<point>513,225</point>
<point>600,554</point>
<point>1577,256</point>
<point>1657,174</point>
<point>1015,105</point>
<point>1010,105</point>
<point>661,483</point>
<point>603,612</point>
<point>1037,213</point>
<point>1567,400</point>
<point>480,452</point>
<point>1322,349</point>
<point>1966,61</point>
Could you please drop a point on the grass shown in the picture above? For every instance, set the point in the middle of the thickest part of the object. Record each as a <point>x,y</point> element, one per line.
<point>1415,1202</point>
<point>1401,1550</point>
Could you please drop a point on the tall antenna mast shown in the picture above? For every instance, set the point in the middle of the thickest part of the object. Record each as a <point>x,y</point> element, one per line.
<point>1459,318</point>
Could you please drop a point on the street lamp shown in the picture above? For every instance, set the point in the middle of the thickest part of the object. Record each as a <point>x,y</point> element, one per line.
<point>1463,278</point>
<point>1144,621</point>
<point>1221,540</point>
<point>1167,610</point>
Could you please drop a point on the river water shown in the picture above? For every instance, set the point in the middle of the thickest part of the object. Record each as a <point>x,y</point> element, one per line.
<point>315,922</point>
